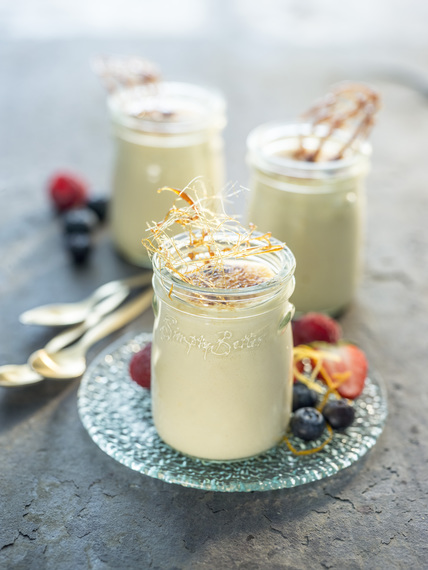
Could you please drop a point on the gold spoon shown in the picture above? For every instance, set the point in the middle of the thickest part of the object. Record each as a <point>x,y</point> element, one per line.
<point>73,313</point>
<point>22,374</point>
<point>70,362</point>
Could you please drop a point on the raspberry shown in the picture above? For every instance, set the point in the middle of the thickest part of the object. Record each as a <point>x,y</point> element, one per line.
<point>67,191</point>
<point>316,327</point>
<point>139,367</point>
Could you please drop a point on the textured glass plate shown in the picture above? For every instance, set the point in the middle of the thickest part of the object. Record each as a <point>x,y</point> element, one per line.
<point>117,415</point>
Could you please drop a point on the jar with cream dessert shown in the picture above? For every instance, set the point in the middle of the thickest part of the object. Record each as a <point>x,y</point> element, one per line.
<point>166,134</point>
<point>222,343</point>
<point>308,188</point>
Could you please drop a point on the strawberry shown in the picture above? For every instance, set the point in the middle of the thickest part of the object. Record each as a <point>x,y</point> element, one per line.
<point>67,191</point>
<point>139,367</point>
<point>316,327</point>
<point>352,360</point>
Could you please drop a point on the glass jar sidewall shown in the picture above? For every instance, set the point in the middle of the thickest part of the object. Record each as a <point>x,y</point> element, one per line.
<point>208,103</point>
<point>355,162</point>
<point>324,225</point>
<point>165,140</point>
<point>221,370</point>
<point>244,309</point>
<point>315,186</point>
<point>140,170</point>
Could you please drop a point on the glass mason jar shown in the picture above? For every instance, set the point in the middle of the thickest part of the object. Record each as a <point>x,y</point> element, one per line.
<point>222,361</point>
<point>166,134</point>
<point>316,208</point>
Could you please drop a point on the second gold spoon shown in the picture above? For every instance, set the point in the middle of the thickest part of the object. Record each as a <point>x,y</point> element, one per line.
<point>23,374</point>
<point>71,361</point>
<point>61,314</point>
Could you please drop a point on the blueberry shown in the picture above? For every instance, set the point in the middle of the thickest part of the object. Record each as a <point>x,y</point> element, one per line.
<point>338,413</point>
<point>79,247</point>
<point>307,423</point>
<point>303,396</point>
<point>79,221</point>
<point>99,205</point>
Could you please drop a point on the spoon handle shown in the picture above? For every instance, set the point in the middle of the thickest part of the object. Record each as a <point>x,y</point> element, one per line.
<point>40,315</point>
<point>68,336</point>
<point>115,321</point>
<point>111,287</point>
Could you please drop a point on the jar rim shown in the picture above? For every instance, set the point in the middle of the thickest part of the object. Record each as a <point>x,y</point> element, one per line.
<point>205,107</point>
<point>283,276</point>
<point>263,139</point>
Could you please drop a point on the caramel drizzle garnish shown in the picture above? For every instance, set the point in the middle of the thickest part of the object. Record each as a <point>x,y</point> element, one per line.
<point>349,107</point>
<point>118,72</point>
<point>202,225</point>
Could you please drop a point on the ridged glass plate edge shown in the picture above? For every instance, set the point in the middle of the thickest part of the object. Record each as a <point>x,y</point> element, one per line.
<point>116,413</point>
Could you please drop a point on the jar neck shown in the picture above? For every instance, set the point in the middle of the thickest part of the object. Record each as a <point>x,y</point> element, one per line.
<point>162,140</point>
<point>271,148</point>
<point>217,305</point>
<point>167,109</point>
<point>209,300</point>
<point>295,185</point>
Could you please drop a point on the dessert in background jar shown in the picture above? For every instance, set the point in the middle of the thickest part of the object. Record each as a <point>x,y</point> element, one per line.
<point>308,188</point>
<point>166,133</point>
<point>222,346</point>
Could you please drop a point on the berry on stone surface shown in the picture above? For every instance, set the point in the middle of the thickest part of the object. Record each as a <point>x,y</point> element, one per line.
<point>314,327</point>
<point>99,205</point>
<point>139,367</point>
<point>307,423</point>
<point>67,191</point>
<point>338,413</point>
<point>79,220</point>
<point>79,246</point>
<point>303,396</point>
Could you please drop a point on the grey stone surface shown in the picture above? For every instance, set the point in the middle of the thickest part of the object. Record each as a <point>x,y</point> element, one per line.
<point>63,502</point>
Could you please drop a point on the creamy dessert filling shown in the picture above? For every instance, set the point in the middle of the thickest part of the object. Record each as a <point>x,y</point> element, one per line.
<point>307,188</point>
<point>222,343</point>
<point>165,133</point>
<point>231,274</point>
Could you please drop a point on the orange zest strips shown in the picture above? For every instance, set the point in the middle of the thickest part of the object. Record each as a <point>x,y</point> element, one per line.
<point>317,358</point>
